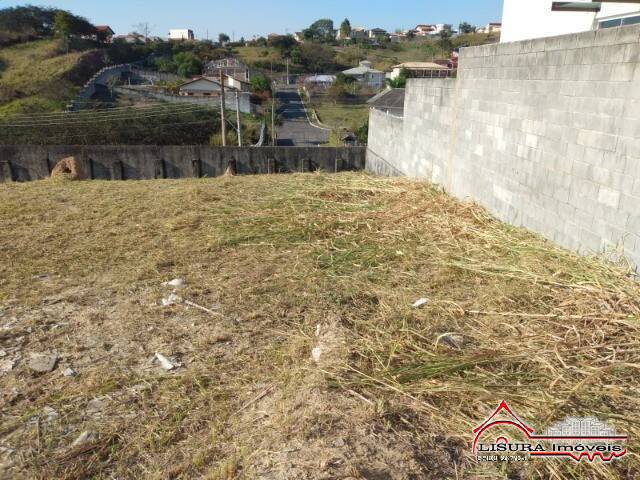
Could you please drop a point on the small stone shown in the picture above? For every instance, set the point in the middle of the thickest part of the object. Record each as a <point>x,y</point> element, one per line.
<point>50,414</point>
<point>85,437</point>
<point>69,372</point>
<point>166,363</point>
<point>3,353</point>
<point>420,303</point>
<point>316,353</point>
<point>339,443</point>
<point>453,340</point>
<point>171,300</point>
<point>6,365</point>
<point>43,362</point>
<point>97,405</point>
<point>175,283</point>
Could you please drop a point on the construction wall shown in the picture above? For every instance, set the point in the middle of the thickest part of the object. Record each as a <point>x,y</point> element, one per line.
<point>544,133</point>
<point>31,162</point>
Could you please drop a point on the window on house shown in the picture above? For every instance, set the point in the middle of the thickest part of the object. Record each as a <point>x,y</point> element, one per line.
<point>619,22</point>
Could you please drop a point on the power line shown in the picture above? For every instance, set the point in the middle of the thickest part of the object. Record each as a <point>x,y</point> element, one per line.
<point>103,119</point>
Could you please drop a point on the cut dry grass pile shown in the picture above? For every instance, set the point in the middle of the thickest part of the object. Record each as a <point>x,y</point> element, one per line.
<point>81,267</point>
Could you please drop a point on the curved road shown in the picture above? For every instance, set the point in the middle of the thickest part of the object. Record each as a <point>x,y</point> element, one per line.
<point>296,131</point>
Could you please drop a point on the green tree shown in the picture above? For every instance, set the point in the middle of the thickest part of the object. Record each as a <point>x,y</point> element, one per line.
<point>465,27</point>
<point>187,64</point>
<point>345,28</point>
<point>401,80</point>
<point>62,27</point>
<point>259,84</point>
<point>284,44</point>
<point>223,38</point>
<point>320,30</point>
<point>314,58</point>
<point>445,42</point>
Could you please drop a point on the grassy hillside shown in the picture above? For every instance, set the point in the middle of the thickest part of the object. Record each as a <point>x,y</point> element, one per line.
<point>37,76</point>
<point>285,265</point>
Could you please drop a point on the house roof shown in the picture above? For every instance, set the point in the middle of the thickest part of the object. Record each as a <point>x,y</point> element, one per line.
<point>390,99</point>
<point>200,79</point>
<point>104,28</point>
<point>421,66</point>
<point>321,78</point>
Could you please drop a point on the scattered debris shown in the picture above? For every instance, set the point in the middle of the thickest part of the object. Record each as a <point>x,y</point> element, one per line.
<point>318,330</point>
<point>43,362</point>
<point>6,365</point>
<point>420,303</point>
<point>339,443</point>
<point>172,299</point>
<point>175,283</point>
<point>166,363</point>
<point>69,372</point>
<point>200,307</point>
<point>316,353</point>
<point>2,353</point>
<point>84,438</point>
<point>454,340</point>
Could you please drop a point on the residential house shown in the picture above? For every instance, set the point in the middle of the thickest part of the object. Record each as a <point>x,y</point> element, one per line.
<point>421,70</point>
<point>131,38</point>
<point>493,27</point>
<point>367,76</point>
<point>104,33</point>
<point>181,34</point>
<point>377,33</point>
<point>358,33</point>
<point>424,30</point>
<point>390,100</point>
<point>228,66</point>
<point>200,87</point>
<point>298,37</point>
<point>547,18</point>
<point>318,82</point>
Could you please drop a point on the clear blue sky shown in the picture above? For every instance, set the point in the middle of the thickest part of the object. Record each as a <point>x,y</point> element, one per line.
<point>259,17</point>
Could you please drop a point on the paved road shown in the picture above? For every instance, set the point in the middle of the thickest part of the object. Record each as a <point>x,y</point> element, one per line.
<point>296,129</point>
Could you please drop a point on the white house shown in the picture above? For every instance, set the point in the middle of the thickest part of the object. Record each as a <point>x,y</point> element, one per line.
<point>523,20</point>
<point>366,75</point>
<point>181,34</point>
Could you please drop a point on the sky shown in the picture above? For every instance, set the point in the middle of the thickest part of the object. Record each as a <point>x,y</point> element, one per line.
<point>246,18</point>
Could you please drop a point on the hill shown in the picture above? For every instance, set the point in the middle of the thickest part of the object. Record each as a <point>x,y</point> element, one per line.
<point>40,76</point>
<point>280,268</point>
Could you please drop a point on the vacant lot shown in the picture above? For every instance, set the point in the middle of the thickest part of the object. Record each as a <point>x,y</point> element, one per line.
<point>283,265</point>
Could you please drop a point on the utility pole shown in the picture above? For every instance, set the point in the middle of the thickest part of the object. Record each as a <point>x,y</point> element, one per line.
<point>238,118</point>
<point>273,119</point>
<point>288,71</point>
<point>222,116</point>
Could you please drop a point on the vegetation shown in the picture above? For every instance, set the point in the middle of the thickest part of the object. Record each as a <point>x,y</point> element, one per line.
<point>285,264</point>
<point>156,124</point>
<point>401,80</point>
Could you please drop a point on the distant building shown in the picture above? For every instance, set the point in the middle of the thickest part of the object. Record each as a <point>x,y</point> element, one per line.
<point>200,87</point>
<point>181,34</point>
<point>131,38</point>
<point>493,27</point>
<point>104,33</point>
<point>424,30</point>
<point>546,18</point>
<point>319,82</point>
<point>421,70</point>
<point>377,33</point>
<point>366,75</point>
<point>228,66</point>
<point>273,36</point>
<point>298,37</point>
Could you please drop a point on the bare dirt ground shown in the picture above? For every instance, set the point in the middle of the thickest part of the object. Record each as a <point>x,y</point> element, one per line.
<point>308,360</point>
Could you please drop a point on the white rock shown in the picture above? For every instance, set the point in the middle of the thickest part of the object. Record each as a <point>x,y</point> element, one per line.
<point>171,300</point>
<point>69,372</point>
<point>421,302</point>
<point>97,405</point>
<point>3,353</point>
<point>166,363</point>
<point>175,283</point>
<point>43,362</point>
<point>85,437</point>
<point>6,365</point>
<point>318,330</point>
<point>50,414</point>
<point>316,353</point>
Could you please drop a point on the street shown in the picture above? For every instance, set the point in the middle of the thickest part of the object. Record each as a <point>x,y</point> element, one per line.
<point>296,129</point>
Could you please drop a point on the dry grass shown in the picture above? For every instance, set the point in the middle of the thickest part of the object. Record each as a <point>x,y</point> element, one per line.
<point>81,266</point>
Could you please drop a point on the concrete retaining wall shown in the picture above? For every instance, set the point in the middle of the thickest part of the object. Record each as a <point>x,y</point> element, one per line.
<point>30,162</point>
<point>544,133</point>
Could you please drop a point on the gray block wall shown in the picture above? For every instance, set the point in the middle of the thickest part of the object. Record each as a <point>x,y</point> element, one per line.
<point>544,133</point>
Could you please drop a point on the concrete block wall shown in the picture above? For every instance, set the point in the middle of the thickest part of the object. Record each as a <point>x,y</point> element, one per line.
<point>139,162</point>
<point>544,133</point>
